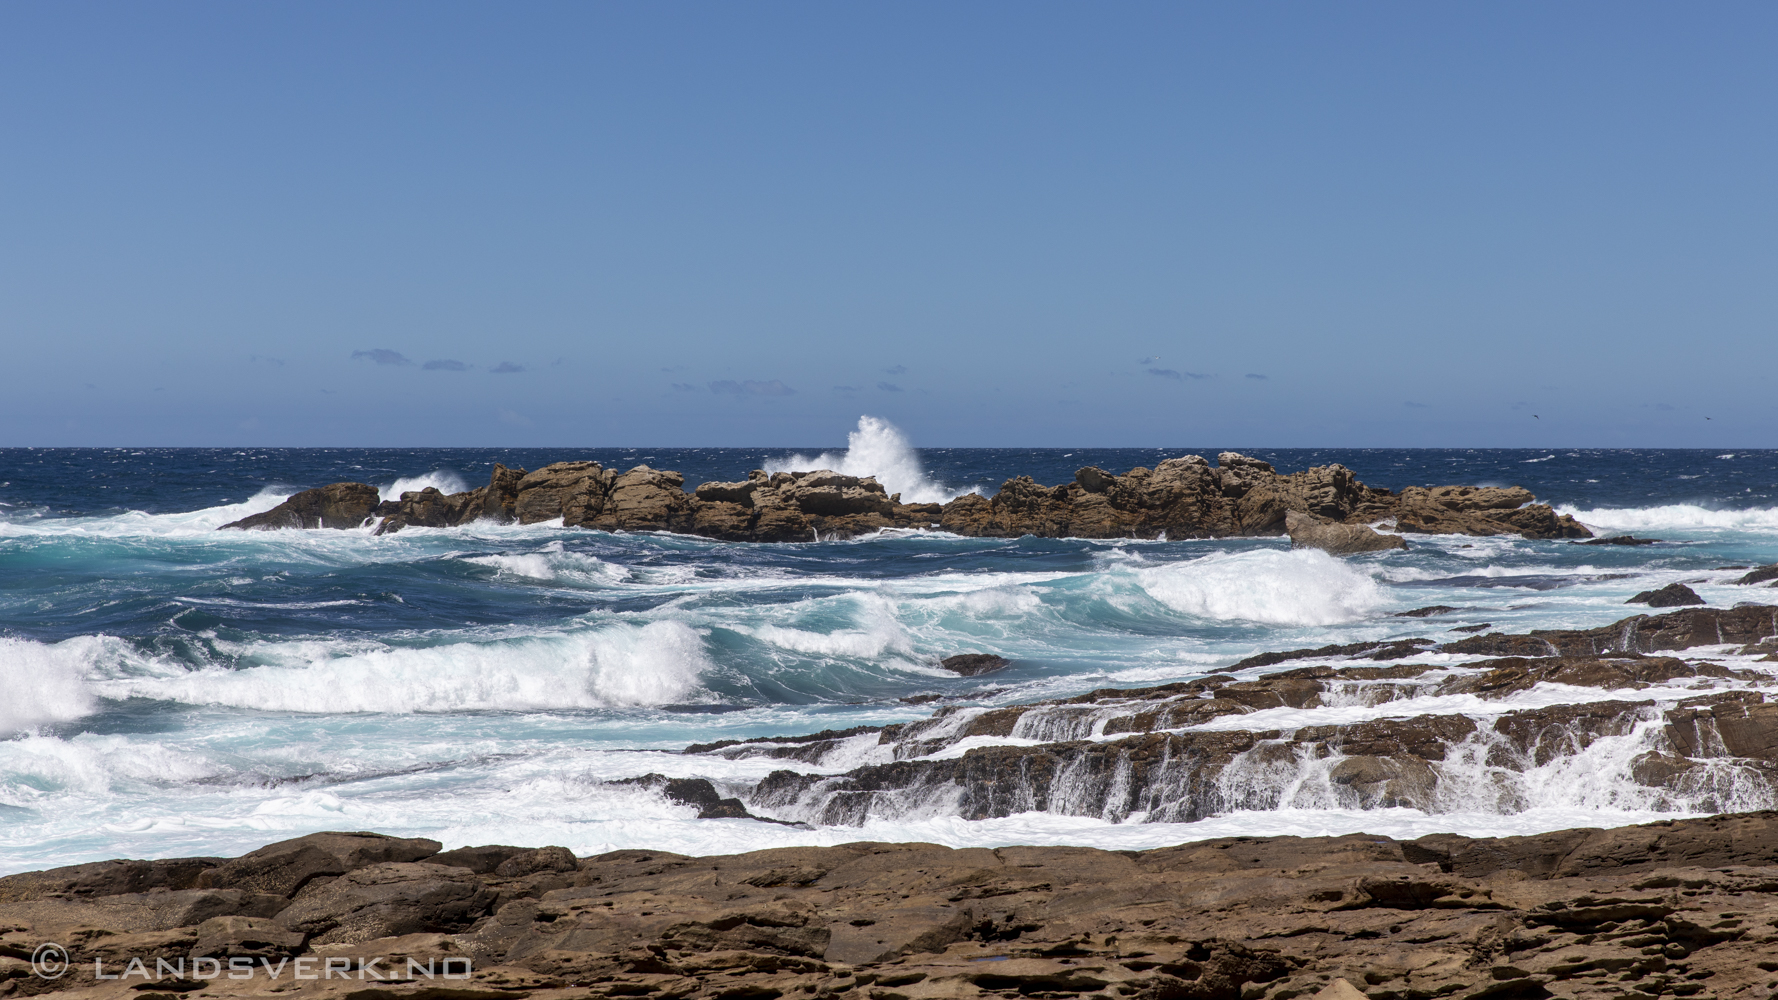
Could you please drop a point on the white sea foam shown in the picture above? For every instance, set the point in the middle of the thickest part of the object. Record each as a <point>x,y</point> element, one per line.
<point>877,448</point>
<point>444,480</point>
<point>618,664</point>
<point>136,523</point>
<point>44,683</point>
<point>553,563</point>
<point>1675,517</point>
<point>1300,587</point>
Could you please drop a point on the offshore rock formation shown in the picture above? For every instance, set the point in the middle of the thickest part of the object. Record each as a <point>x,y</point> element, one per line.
<point>1179,498</point>
<point>1682,909</point>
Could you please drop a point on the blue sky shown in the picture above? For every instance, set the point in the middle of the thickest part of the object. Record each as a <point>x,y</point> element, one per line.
<point>1024,223</point>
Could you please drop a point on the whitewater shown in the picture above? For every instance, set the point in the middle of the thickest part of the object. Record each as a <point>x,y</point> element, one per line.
<point>171,690</point>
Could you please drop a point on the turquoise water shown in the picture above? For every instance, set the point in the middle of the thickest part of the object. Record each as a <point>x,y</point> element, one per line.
<point>172,690</point>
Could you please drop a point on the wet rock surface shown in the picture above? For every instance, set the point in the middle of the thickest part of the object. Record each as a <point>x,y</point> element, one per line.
<point>1685,908</point>
<point>1673,595</point>
<point>1626,705</point>
<point>1183,497</point>
<point>340,505</point>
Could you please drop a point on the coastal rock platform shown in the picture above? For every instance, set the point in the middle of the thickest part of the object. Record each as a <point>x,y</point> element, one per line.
<point>1685,908</point>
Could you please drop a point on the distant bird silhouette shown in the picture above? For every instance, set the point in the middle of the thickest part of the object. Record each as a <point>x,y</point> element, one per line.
<point>1535,417</point>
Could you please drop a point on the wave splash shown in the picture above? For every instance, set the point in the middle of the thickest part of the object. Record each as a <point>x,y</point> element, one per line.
<point>1300,587</point>
<point>877,448</point>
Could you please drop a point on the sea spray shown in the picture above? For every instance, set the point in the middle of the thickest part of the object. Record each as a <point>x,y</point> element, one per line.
<point>877,448</point>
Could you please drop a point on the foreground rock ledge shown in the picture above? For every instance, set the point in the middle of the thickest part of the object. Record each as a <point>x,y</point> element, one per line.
<point>1685,908</point>
<point>1182,497</point>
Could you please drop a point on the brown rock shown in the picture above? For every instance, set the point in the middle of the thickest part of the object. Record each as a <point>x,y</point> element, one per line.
<point>973,664</point>
<point>285,867</point>
<point>572,491</point>
<point>340,505</point>
<point>1760,575</point>
<point>1673,595</point>
<point>385,900</point>
<point>1309,532</point>
<point>645,499</point>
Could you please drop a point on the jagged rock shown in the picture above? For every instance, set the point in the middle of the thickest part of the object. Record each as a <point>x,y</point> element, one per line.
<point>1429,610</point>
<point>1618,540</point>
<point>1466,510</point>
<point>500,502</point>
<point>1393,650</point>
<point>430,508</point>
<point>696,792</point>
<point>1309,532</point>
<point>973,664</point>
<point>286,867</point>
<point>340,505</point>
<point>573,491</point>
<point>1673,595</point>
<point>1638,634</point>
<point>643,499</point>
<point>1181,497</point>
<point>1760,575</point>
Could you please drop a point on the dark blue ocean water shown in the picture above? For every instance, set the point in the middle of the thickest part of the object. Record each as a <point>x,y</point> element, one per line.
<point>173,690</point>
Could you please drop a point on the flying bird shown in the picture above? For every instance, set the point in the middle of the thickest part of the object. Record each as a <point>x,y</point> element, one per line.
<point>1535,417</point>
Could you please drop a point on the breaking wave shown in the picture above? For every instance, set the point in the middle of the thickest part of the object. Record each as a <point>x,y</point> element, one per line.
<point>1676,517</point>
<point>877,448</point>
<point>1300,587</point>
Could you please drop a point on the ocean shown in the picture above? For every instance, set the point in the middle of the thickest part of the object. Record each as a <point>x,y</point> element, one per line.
<point>171,690</point>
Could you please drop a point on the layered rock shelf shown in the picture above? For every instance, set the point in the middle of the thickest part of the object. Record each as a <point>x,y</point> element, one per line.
<point>1183,497</point>
<point>1682,909</point>
<point>1669,711</point>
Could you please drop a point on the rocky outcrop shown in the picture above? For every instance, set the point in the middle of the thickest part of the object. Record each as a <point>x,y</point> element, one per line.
<point>1472,510</point>
<point>1182,497</point>
<point>1684,908</point>
<point>1673,595</point>
<point>340,505</point>
<point>1760,574</point>
<point>1310,532</point>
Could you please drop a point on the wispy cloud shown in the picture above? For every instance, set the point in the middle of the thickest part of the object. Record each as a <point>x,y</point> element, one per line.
<point>278,362</point>
<point>684,387</point>
<point>445,365</point>
<point>1145,362</point>
<point>1251,375</point>
<point>888,387</point>
<point>382,356</point>
<point>752,387</point>
<point>507,368</point>
<point>897,370</point>
<point>1166,373</point>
